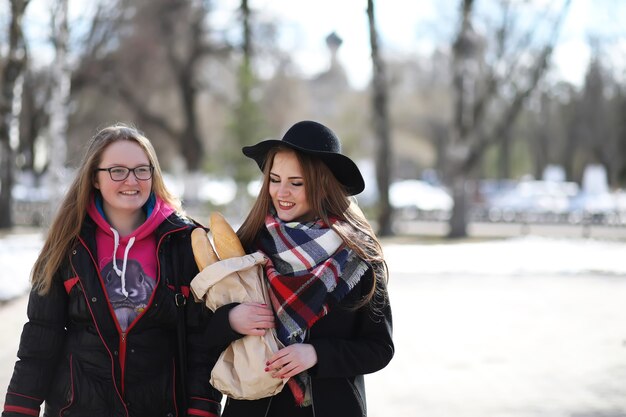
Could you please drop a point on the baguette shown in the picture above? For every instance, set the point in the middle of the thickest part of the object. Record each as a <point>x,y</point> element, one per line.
<point>227,244</point>
<point>203,252</point>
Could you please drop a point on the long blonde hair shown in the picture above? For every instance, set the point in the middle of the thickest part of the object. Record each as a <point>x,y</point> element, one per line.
<point>70,215</point>
<point>327,198</point>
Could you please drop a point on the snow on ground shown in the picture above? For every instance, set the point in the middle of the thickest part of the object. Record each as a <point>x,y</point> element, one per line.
<point>530,255</point>
<point>510,257</point>
<point>18,253</point>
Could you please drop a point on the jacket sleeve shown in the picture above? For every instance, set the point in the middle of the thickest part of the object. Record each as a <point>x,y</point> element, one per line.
<point>366,349</point>
<point>39,351</point>
<point>204,348</point>
<point>202,399</point>
<point>220,333</point>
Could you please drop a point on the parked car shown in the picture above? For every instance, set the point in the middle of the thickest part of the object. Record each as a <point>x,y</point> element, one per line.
<point>416,199</point>
<point>31,205</point>
<point>595,203</point>
<point>532,201</point>
<point>589,207</point>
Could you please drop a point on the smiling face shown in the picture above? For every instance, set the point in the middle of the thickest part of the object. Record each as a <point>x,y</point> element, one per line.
<point>287,188</point>
<point>127,197</point>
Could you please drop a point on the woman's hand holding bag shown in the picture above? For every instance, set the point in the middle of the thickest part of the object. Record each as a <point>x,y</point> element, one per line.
<point>228,275</point>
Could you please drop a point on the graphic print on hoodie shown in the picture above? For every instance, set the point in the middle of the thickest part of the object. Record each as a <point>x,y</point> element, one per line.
<point>128,264</point>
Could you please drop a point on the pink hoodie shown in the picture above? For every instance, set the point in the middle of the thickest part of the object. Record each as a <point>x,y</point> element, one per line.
<point>128,264</point>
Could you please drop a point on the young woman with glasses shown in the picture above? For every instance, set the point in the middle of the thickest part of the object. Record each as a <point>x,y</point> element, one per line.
<point>109,331</point>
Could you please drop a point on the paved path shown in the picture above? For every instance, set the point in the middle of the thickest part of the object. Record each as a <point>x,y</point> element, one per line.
<point>471,346</point>
<point>505,347</point>
<point>12,319</point>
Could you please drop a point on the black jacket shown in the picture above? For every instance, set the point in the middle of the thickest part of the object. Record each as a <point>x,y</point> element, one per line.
<point>348,344</point>
<point>72,356</point>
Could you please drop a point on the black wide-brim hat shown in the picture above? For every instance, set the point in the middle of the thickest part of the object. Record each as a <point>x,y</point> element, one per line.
<point>317,140</point>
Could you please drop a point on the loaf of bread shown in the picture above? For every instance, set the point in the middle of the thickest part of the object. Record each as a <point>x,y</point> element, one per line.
<point>226,241</point>
<point>203,252</point>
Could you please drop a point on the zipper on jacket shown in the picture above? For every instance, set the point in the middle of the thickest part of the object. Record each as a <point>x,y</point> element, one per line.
<point>95,322</point>
<point>123,335</point>
<point>122,359</point>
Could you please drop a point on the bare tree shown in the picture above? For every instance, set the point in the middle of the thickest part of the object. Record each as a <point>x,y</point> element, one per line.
<point>544,130</point>
<point>596,115</point>
<point>148,55</point>
<point>33,118</point>
<point>59,112</point>
<point>476,91</point>
<point>247,125</point>
<point>620,108</point>
<point>9,95</point>
<point>380,120</point>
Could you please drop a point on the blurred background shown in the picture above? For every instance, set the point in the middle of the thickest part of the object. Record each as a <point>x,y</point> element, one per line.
<point>491,135</point>
<point>457,111</point>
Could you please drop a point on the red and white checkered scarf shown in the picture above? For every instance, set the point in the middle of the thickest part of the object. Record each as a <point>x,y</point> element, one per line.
<point>308,264</point>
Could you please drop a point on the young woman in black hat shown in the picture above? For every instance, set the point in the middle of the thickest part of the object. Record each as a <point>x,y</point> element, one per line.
<point>326,277</point>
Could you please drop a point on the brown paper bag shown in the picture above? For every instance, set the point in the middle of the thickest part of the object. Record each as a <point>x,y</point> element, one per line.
<point>240,369</point>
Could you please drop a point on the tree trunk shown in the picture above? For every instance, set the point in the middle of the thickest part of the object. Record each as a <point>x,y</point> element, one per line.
<point>464,58</point>
<point>59,112</point>
<point>381,129</point>
<point>33,118</point>
<point>470,140</point>
<point>247,124</point>
<point>14,67</point>
<point>505,158</point>
<point>458,220</point>
<point>191,146</point>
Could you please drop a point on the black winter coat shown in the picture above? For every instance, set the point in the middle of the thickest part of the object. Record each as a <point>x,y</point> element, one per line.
<point>348,344</point>
<point>72,356</point>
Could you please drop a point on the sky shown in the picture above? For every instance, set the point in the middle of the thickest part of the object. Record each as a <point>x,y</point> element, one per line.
<point>405,27</point>
<point>417,27</point>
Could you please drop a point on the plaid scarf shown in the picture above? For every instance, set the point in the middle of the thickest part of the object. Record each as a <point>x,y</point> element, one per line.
<point>308,263</point>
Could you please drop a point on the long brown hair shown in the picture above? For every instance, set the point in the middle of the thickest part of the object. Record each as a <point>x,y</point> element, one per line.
<point>68,220</point>
<point>327,198</point>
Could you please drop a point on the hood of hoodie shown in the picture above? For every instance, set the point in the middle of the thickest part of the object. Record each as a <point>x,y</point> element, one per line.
<point>128,264</point>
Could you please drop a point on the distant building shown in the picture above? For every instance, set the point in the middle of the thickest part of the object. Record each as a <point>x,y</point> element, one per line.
<point>327,87</point>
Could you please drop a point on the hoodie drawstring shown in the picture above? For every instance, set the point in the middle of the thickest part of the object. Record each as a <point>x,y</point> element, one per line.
<point>122,273</point>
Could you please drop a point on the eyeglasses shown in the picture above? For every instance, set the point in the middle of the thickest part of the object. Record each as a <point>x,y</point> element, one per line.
<point>142,172</point>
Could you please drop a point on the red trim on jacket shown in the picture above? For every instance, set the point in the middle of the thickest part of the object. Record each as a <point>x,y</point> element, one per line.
<point>201,413</point>
<point>21,410</point>
<point>71,387</point>
<point>95,323</point>
<point>24,396</point>
<point>198,407</point>
<point>124,335</point>
<point>183,289</point>
<point>69,284</point>
<point>205,399</point>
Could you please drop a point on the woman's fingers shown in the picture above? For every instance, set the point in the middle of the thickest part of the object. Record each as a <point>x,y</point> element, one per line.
<point>263,317</point>
<point>288,371</point>
<point>251,318</point>
<point>256,332</point>
<point>292,360</point>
